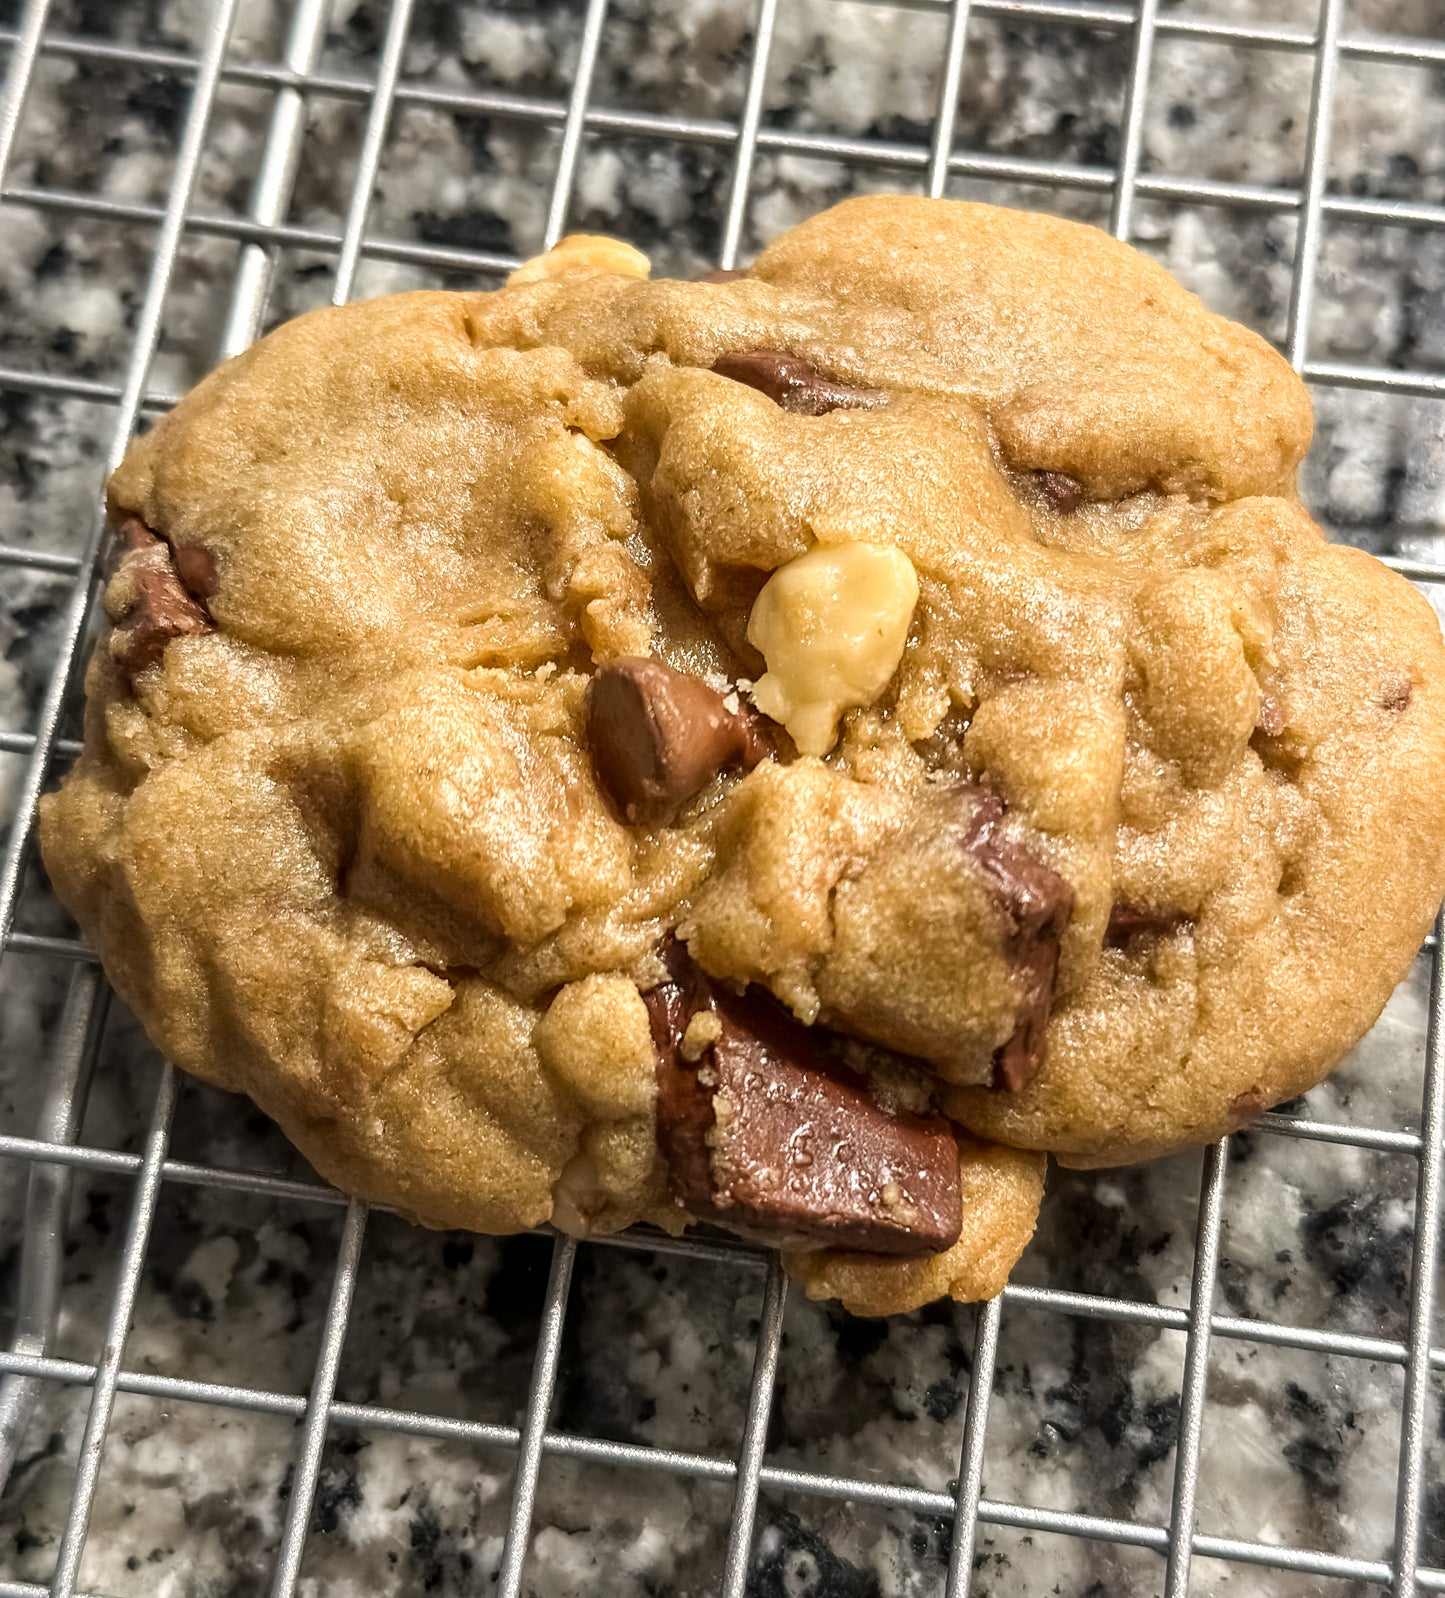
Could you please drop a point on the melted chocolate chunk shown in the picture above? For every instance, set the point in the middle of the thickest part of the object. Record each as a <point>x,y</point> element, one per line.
<point>1064,494</point>
<point>657,737</point>
<point>1018,1062</point>
<point>766,1135</point>
<point>196,567</point>
<point>1247,1106</point>
<point>161,608</point>
<point>1037,903</point>
<point>1130,920</point>
<point>795,383</point>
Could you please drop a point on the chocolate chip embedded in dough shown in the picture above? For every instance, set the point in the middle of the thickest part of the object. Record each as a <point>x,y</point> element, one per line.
<point>768,1136</point>
<point>1271,716</point>
<point>1064,494</point>
<point>795,383</point>
<point>1398,695</point>
<point>1034,897</point>
<point>1130,920</point>
<point>196,566</point>
<point>657,737</point>
<point>130,535</point>
<point>1037,903</point>
<point>1247,1106</point>
<point>1018,1061</point>
<point>160,609</point>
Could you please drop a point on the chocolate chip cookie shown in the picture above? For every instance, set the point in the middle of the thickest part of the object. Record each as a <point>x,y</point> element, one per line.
<point>785,751</point>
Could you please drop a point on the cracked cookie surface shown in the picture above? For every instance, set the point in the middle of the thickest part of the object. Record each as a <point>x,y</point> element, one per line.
<point>1111,825</point>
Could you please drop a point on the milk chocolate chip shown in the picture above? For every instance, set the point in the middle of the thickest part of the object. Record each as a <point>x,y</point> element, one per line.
<point>158,607</point>
<point>196,567</point>
<point>1398,695</point>
<point>657,737</point>
<point>1064,494</point>
<point>766,1135</point>
<point>1037,903</point>
<point>1130,920</point>
<point>1271,716</point>
<point>795,383</point>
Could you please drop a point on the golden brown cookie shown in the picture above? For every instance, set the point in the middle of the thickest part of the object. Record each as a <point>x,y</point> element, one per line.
<point>614,749</point>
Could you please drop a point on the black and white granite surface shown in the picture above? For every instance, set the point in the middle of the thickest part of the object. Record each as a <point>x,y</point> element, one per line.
<point>1298,1449</point>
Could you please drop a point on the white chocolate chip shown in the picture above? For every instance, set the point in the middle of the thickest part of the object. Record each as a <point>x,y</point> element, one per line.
<point>703,1030</point>
<point>831,625</point>
<point>582,254</point>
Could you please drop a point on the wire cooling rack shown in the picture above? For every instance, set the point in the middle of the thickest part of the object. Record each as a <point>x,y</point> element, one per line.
<point>923,154</point>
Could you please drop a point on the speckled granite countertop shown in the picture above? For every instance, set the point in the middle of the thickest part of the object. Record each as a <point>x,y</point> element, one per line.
<point>1298,1447</point>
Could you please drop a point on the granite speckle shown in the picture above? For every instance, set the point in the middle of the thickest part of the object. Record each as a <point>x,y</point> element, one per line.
<point>1298,1448</point>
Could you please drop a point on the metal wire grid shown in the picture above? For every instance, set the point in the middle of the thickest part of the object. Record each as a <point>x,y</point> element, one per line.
<point>53,1152</point>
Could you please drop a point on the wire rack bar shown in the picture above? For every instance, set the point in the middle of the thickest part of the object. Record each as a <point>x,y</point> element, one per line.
<point>102,1401</point>
<point>946,116</point>
<point>39,560</point>
<point>1136,96</point>
<point>1317,161</point>
<point>755,1431</point>
<point>319,241</point>
<point>747,139</point>
<point>534,1425</point>
<point>859,151</point>
<point>1385,379</point>
<point>1380,1139</point>
<point>119,1162</point>
<point>318,1405</point>
<point>1345,1345</point>
<point>38,943</point>
<point>774,1478</point>
<point>378,116</point>
<point>1196,1370</point>
<point>26,41</point>
<point>1415,1423</point>
<point>275,179</point>
<point>621,120</point>
<point>1401,49</point>
<point>1302,281</point>
<point>573,122</point>
<point>56,385</point>
<point>970,1461</point>
<point>1335,1344</point>
<point>47,1201</point>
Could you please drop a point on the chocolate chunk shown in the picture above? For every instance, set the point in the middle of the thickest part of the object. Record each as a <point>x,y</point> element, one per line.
<point>1398,695</point>
<point>160,608</point>
<point>722,274</point>
<point>1034,897</point>
<point>1129,920</point>
<point>1064,494</point>
<point>131,535</point>
<point>1017,1063</point>
<point>768,1136</point>
<point>795,383</point>
<point>658,736</point>
<point>1037,903</point>
<point>196,566</point>
<point>1245,1107</point>
<point>1271,716</point>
